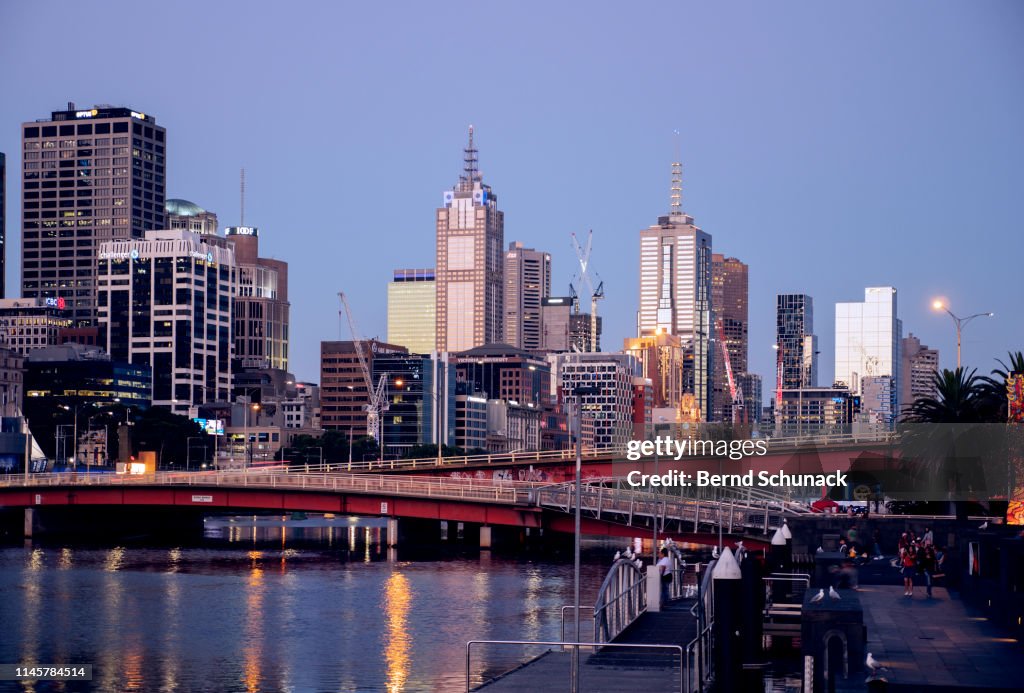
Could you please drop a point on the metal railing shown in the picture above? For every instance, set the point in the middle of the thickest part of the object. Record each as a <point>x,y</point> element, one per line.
<point>564,636</point>
<point>574,649</point>
<point>698,658</point>
<point>620,600</point>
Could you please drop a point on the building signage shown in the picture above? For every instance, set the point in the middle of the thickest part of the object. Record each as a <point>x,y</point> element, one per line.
<point>58,303</point>
<point>242,231</point>
<point>119,256</point>
<point>86,114</point>
<point>212,427</point>
<point>199,255</point>
<point>202,499</point>
<point>383,508</point>
<point>140,116</point>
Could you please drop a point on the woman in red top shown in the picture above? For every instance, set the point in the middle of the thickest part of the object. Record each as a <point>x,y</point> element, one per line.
<point>909,568</point>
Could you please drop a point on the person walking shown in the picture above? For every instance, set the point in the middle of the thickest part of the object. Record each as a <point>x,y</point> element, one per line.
<point>909,560</point>
<point>665,569</point>
<point>929,538</point>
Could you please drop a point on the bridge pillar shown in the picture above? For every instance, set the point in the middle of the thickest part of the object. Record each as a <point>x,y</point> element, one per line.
<point>485,536</point>
<point>30,522</point>
<point>392,530</point>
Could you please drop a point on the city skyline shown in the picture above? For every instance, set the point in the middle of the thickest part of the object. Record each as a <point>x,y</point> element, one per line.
<point>871,183</point>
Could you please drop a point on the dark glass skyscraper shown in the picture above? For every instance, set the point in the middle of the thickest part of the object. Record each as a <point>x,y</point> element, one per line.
<point>89,176</point>
<point>797,345</point>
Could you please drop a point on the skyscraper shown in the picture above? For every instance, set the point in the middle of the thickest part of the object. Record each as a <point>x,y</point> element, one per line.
<point>90,176</point>
<point>470,262</point>
<point>412,306</point>
<point>918,368</point>
<point>182,214</point>
<point>527,282</point>
<point>729,298</point>
<point>261,308</point>
<point>868,344</point>
<point>3,224</point>
<point>797,345</point>
<point>675,291</point>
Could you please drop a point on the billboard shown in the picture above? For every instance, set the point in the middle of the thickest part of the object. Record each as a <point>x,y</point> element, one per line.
<point>211,427</point>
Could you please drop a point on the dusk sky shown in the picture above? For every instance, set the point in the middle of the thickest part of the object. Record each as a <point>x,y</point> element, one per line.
<point>831,146</point>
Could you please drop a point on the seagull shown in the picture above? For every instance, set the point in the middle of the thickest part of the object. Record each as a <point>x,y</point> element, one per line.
<point>618,554</point>
<point>639,563</point>
<point>714,552</point>
<point>820,550</point>
<point>872,663</point>
<point>818,597</point>
<point>984,525</point>
<point>832,593</point>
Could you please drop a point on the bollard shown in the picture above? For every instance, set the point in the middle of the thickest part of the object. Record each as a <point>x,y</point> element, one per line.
<point>751,608</point>
<point>653,589</point>
<point>728,588</point>
<point>780,555</point>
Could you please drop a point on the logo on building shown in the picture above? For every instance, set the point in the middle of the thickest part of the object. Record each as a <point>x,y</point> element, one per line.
<point>134,254</point>
<point>58,303</point>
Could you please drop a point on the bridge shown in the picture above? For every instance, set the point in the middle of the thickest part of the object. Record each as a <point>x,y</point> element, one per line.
<point>606,508</point>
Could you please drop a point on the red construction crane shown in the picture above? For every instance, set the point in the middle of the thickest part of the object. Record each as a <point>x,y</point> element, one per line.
<point>739,411</point>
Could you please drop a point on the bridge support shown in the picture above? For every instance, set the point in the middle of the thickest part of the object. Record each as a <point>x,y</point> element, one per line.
<point>392,530</point>
<point>30,522</point>
<point>653,588</point>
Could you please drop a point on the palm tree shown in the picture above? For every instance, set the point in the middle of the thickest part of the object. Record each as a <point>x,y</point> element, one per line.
<point>960,397</point>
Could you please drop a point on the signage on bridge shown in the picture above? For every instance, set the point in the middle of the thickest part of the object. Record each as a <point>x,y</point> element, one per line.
<point>202,499</point>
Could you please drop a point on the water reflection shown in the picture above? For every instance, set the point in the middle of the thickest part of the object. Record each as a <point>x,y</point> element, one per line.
<point>397,598</point>
<point>253,631</point>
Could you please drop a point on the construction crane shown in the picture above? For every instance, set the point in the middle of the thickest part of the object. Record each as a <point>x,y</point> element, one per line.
<point>583,255</point>
<point>377,396</point>
<point>739,413</point>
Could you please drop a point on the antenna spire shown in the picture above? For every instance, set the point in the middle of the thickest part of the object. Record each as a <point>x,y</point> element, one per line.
<point>676,197</point>
<point>241,221</point>
<point>469,169</point>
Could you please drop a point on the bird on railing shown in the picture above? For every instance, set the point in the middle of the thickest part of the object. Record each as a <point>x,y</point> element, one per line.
<point>833,594</point>
<point>639,563</point>
<point>714,552</point>
<point>618,554</point>
<point>819,596</point>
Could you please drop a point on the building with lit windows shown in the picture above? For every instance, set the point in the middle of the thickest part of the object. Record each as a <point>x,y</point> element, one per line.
<point>165,302</point>
<point>421,401</point>
<point>90,176</point>
<point>470,422</point>
<point>500,371</point>
<point>470,262</point>
<point>612,407</point>
<point>527,282</point>
<point>729,298</point>
<point>815,411</point>
<point>73,374</point>
<point>343,395</point>
<point>412,310</point>
<point>919,367</point>
<point>182,214</point>
<point>675,292</point>
<point>27,324</point>
<point>868,337</point>
<point>261,308</point>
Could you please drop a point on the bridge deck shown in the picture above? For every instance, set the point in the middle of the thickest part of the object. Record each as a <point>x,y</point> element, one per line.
<point>613,669</point>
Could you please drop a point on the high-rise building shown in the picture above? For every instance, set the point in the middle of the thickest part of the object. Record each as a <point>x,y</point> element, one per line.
<point>797,345</point>
<point>562,329</point>
<point>729,297</point>
<point>343,394</point>
<point>919,366</point>
<point>503,372</point>
<point>750,384</point>
<point>470,262</point>
<point>612,406</point>
<point>527,283</point>
<point>815,411</point>
<point>412,310</point>
<point>421,400</point>
<point>182,214</point>
<point>3,224</point>
<point>27,324</point>
<point>261,308</point>
<point>675,292</point>
<point>868,335</point>
<point>91,176</point>
<point>662,361</point>
<point>164,301</point>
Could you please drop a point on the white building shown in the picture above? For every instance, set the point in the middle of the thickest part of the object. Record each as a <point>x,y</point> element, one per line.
<point>165,301</point>
<point>611,408</point>
<point>868,337</point>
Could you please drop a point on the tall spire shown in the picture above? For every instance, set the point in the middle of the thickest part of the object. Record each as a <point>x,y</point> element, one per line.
<point>469,170</point>
<point>676,198</point>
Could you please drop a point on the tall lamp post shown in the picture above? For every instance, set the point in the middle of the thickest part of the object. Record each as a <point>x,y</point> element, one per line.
<point>938,304</point>
<point>579,391</point>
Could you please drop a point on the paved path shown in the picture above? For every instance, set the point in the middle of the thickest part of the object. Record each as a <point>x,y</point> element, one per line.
<point>938,643</point>
<point>613,669</point>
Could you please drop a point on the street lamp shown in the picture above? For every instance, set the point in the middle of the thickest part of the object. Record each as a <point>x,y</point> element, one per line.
<point>938,304</point>
<point>580,390</point>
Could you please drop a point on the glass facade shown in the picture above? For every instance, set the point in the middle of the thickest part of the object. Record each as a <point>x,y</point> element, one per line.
<point>794,327</point>
<point>412,306</point>
<point>868,342</point>
<point>416,405</point>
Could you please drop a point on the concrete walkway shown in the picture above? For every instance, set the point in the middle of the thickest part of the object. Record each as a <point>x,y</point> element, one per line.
<point>937,644</point>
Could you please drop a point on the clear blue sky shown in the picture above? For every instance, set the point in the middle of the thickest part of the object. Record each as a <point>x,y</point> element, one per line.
<point>831,146</point>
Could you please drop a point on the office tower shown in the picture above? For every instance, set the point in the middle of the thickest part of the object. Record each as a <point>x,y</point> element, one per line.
<point>662,361</point>
<point>675,292</point>
<point>182,214</point>
<point>527,283</point>
<point>27,324</point>
<point>91,176</point>
<point>3,224</point>
<point>918,369</point>
<point>815,411</point>
<point>261,308</point>
<point>164,301</point>
<point>470,263</point>
<point>503,372</point>
<point>797,345</point>
<point>343,395</point>
<point>421,400</point>
<point>412,310</point>
<point>868,343</point>
<point>562,329</point>
<point>612,406</point>
<point>729,298</point>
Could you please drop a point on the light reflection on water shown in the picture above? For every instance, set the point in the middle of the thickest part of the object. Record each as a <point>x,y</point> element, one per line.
<point>274,616</point>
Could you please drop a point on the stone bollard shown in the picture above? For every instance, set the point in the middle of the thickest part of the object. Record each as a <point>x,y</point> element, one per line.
<point>653,589</point>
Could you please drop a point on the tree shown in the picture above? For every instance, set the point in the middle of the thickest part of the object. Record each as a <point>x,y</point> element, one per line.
<point>960,398</point>
<point>165,433</point>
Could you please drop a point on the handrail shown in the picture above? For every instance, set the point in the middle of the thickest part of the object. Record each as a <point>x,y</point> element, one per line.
<point>576,646</point>
<point>582,608</point>
<point>621,599</point>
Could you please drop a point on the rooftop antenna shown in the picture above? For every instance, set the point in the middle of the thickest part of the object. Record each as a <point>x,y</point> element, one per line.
<point>469,169</point>
<point>676,199</point>
<point>242,195</point>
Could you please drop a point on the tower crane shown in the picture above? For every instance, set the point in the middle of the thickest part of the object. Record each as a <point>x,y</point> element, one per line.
<point>583,255</point>
<point>377,396</point>
<point>739,413</point>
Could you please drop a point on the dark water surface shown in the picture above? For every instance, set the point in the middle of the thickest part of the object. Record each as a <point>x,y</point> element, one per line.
<point>270,617</point>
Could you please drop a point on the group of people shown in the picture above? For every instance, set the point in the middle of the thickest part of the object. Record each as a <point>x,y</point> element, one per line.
<point>919,557</point>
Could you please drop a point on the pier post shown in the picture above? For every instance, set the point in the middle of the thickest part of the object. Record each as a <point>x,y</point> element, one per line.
<point>780,555</point>
<point>728,598</point>
<point>485,536</point>
<point>392,531</point>
<point>30,522</point>
<point>653,588</point>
